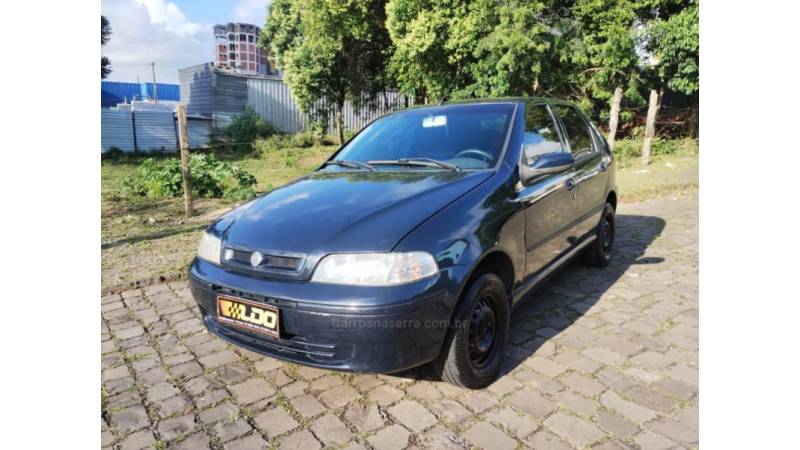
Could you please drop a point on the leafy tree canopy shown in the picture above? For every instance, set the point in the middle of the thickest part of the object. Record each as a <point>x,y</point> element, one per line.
<point>105,35</point>
<point>331,50</point>
<point>674,43</point>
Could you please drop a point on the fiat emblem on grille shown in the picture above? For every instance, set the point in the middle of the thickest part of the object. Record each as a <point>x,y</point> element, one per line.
<point>256,258</point>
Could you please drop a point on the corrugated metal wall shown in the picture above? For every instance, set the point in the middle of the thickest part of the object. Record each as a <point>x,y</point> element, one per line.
<point>116,130</point>
<point>196,89</point>
<point>155,131</point>
<point>272,100</point>
<point>222,96</point>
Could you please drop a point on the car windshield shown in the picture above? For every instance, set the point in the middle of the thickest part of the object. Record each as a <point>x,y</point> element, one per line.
<point>467,136</point>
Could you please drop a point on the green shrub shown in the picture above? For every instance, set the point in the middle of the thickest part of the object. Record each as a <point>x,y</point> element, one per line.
<point>243,130</point>
<point>209,177</point>
<point>627,149</point>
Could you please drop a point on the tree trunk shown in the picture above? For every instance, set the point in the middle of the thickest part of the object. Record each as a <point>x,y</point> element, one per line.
<point>184,143</point>
<point>339,123</point>
<point>693,116</point>
<point>613,120</point>
<point>650,128</point>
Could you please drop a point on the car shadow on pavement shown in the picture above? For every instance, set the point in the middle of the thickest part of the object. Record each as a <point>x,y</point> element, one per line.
<point>560,301</point>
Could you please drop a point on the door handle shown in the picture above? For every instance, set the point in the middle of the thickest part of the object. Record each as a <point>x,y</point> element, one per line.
<point>570,184</point>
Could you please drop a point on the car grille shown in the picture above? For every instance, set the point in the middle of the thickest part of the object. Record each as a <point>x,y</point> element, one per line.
<point>269,261</point>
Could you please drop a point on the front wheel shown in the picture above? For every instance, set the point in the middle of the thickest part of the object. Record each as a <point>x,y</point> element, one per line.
<point>475,345</point>
<point>599,252</point>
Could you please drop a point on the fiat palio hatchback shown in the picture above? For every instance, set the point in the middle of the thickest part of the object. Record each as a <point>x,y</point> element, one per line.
<point>414,242</point>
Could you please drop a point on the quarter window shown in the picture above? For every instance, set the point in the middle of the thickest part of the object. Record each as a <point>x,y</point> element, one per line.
<point>580,139</point>
<point>540,133</point>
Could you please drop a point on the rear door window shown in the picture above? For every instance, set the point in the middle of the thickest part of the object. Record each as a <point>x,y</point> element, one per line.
<point>540,134</point>
<point>578,134</point>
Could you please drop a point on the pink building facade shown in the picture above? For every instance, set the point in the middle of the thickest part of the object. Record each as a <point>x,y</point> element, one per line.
<point>236,50</point>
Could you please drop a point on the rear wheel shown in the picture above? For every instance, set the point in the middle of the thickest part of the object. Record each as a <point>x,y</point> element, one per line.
<point>599,252</point>
<point>476,343</point>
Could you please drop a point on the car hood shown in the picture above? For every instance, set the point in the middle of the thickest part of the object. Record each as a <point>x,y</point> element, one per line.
<point>344,211</point>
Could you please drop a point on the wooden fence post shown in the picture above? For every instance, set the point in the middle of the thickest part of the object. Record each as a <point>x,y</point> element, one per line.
<point>183,131</point>
<point>613,120</point>
<point>650,127</point>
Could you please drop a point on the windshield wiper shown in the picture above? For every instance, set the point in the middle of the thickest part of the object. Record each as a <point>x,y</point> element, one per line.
<point>349,164</point>
<point>422,162</point>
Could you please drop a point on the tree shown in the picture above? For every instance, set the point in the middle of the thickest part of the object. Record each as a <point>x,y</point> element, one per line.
<point>330,50</point>
<point>105,35</point>
<point>674,43</point>
<point>603,52</point>
<point>462,49</point>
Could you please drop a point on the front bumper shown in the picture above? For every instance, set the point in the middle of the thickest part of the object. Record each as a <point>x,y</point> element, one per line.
<point>362,329</point>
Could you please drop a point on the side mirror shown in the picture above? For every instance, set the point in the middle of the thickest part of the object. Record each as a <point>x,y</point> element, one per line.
<point>546,163</point>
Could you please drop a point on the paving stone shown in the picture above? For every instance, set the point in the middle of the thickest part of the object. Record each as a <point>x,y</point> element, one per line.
<point>385,395</point>
<point>338,396</point>
<point>308,406</point>
<point>106,439</point>
<point>478,401</point>
<point>532,403</point>
<point>251,391</point>
<point>413,415</point>
<point>225,411</point>
<point>227,431</point>
<point>267,364</point>
<point>519,424</point>
<point>251,442</point>
<point>483,435</point>
<point>504,385</point>
<point>650,440</point>
<point>177,427</point>
<point>577,403</point>
<point>138,440</point>
<point>130,419</point>
<point>116,373</point>
<point>451,410</point>
<point>131,332</point>
<point>217,359</point>
<point>604,355</point>
<point>327,382</point>
<point>651,360</point>
<point>211,397</point>
<point>634,412</point>
<point>616,425</point>
<point>574,429</point>
<point>187,370</point>
<point>294,389</point>
<point>424,391</point>
<point>393,437</point>
<point>331,431</point>
<point>365,418</point>
<point>440,437</point>
<point>545,366</point>
<point>546,440</point>
<point>171,406</point>
<point>651,399</point>
<point>161,391</point>
<point>582,384</point>
<point>302,440</point>
<point>275,421</point>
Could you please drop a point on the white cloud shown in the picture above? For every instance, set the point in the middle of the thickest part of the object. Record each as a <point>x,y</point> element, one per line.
<point>145,31</point>
<point>251,11</point>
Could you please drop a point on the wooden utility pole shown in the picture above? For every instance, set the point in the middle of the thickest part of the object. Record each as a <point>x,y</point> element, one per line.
<point>613,120</point>
<point>650,127</point>
<point>183,132</point>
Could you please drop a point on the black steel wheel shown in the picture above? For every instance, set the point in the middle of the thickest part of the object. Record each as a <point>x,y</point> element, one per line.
<point>474,346</point>
<point>599,252</point>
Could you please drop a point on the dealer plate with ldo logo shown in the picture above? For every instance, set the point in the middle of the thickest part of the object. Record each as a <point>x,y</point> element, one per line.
<point>251,316</point>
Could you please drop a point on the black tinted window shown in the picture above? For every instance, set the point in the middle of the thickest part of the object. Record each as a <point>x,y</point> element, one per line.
<point>540,133</point>
<point>577,130</point>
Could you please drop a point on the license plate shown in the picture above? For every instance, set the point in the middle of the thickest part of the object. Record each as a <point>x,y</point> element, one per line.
<point>248,315</point>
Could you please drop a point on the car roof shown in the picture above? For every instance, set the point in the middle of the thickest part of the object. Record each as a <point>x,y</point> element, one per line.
<point>552,101</point>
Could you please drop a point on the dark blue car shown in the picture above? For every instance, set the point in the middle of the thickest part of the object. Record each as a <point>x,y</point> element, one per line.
<point>414,242</point>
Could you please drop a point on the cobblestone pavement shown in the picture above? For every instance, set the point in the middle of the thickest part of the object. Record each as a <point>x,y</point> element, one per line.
<point>606,358</point>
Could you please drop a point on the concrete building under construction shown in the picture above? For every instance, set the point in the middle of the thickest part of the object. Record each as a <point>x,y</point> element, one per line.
<point>236,50</point>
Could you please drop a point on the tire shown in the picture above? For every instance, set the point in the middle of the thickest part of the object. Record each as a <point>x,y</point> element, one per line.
<point>475,345</point>
<point>599,252</point>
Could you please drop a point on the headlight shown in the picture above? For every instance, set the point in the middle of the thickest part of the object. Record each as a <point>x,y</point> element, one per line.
<point>209,248</point>
<point>375,269</point>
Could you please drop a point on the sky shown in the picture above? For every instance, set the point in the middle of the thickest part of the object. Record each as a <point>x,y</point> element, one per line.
<point>172,34</point>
